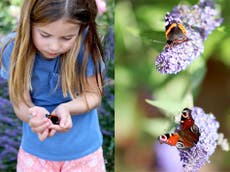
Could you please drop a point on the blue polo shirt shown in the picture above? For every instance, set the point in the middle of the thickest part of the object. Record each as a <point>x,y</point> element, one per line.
<point>82,139</point>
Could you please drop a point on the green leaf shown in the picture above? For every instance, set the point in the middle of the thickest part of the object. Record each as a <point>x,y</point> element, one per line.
<point>197,73</point>
<point>212,42</point>
<point>145,15</point>
<point>156,126</point>
<point>168,107</point>
<point>225,51</point>
<point>171,108</point>
<point>174,89</point>
<point>133,30</point>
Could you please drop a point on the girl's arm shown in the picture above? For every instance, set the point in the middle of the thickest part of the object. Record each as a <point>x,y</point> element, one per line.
<point>86,101</point>
<point>22,110</point>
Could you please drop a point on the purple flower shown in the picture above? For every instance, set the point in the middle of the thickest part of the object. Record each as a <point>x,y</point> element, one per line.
<point>203,18</point>
<point>109,44</point>
<point>167,158</point>
<point>197,156</point>
<point>10,134</point>
<point>10,130</point>
<point>4,88</point>
<point>199,21</point>
<point>5,106</point>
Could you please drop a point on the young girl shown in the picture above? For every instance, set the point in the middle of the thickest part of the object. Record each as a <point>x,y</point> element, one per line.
<point>53,65</point>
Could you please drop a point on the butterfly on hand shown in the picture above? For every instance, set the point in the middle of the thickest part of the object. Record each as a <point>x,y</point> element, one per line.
<point>186,136</point>
<point>54,118</point>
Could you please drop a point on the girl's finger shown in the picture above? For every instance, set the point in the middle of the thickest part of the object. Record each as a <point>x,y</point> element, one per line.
<point>63,121</point>
<point>42,127</point>
<point>52,132</point>
<point>38,110</point>
<point>37,121</point>
<point>55,127</point>
<point>44,135</point>
<point>68,124</point>
<point>58,128</point>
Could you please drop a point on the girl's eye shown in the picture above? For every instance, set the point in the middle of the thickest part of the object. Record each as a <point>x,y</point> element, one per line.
<point>67,38</point>
<point>45,36</point>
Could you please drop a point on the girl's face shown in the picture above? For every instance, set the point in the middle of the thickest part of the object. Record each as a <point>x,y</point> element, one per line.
<point>55,38</point>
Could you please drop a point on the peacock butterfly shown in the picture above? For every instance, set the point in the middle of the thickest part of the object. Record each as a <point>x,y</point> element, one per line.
<point>186,135</point>
<point>54,118</point>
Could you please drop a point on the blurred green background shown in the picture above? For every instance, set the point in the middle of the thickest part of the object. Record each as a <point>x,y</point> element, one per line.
<point>139,38</point>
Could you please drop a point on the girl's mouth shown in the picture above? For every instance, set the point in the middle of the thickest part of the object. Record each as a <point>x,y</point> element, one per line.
<point>53,54</point>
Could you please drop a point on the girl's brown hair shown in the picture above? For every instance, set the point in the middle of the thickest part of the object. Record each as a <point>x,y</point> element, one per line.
<point>73,73</point>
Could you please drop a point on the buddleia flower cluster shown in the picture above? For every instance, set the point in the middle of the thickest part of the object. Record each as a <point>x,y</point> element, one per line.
<point>199,21</point>
<point>10,130</point>
<point>197,156</point>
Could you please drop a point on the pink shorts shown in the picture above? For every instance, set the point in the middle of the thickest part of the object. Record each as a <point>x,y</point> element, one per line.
<point>93,162</point>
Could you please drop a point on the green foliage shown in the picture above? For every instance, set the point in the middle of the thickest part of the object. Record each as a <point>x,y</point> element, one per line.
<point>7,11</point>
<point>106,111</point>
<point>106,118</point>
<point>140,37</point>
<point>106,20</point>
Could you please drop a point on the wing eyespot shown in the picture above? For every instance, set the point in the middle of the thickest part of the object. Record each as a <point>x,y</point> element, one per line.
<point>180,145</point>
<point>194,129</point>
<point>163,138</point>
<point>186,112</point>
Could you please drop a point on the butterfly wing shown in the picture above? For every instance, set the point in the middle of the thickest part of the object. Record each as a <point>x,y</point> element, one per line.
<point>175,32</point>
<point>169,29</point>
<point>186,120</point>
<point>192,134</point>
<point>169,138</point>
<point>189,131</point>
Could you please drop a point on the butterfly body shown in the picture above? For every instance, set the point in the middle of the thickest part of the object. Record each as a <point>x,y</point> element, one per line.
<point>187,134</point>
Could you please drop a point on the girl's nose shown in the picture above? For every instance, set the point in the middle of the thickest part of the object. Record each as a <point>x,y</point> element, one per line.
<point>54,46</point>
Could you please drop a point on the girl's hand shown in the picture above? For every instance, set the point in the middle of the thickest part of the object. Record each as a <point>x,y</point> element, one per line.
<point>39,123</point>
<point>65,118</point>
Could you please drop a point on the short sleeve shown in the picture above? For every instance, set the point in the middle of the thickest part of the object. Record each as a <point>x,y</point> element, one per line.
<point>4,70</point>
<point>90,65</point>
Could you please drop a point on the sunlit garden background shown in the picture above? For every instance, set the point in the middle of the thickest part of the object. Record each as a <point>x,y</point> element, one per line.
<point>139,38</point>
<point>10,126</point>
